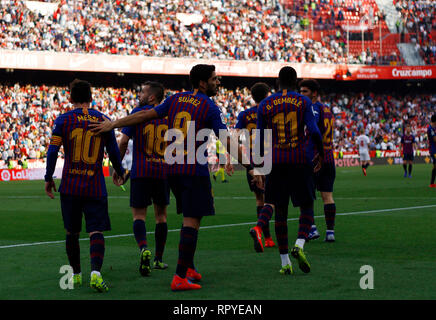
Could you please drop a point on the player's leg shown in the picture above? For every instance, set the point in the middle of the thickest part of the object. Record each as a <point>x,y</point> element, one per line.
<point>410,162</point>
<point>326,189</point>
<point>265,213</point>
<point>433,173</point>
<point>281,229</point>
<point>303,196</point>
<point>194,201</point>
<point>160,235</point>
<point>161,200</point>
<point>72,217</point>
<point>319,181</point>
<point>187,246</point>
<point>140,199</point>
<point>140,234</point>
<point>405,166</point>
<point>330,215</point>
<point>97,221</point>
<point>269,242</point>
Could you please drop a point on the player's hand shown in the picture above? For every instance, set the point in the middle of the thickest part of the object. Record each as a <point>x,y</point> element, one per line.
<point>229,169</point>
<point>101,126</point>
<point>317,160</point>
<point>126,176</point>
<point>49,186</point>
<point>258,180</point>
<point>118,181</point>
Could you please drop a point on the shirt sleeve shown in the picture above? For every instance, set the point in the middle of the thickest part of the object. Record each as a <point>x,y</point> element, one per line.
<point>310,122</point>
<point>240,123</point>
<point>162,109</point>
<point>216,119</point>
<point>53,149</point>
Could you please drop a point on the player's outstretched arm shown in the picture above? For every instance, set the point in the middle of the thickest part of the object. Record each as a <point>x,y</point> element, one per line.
<point>127,121</point>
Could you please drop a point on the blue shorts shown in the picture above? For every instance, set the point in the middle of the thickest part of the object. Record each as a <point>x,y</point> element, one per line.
<point>408,157</point>
<point>293,181</point>
<point>193,195</point>
<point>145,191</point>
<point>325,177</point>
<point>253,188</point>
<point>94,209</point>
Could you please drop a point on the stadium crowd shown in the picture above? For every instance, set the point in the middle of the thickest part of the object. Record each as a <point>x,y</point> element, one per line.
<point>419,18</point>
<point>28,113</point>
<point>242,30</point>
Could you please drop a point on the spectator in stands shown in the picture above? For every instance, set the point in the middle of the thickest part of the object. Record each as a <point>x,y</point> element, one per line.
<point>248,30</point>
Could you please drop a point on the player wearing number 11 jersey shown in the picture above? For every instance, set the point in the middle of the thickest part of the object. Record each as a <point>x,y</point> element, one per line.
<point>82,187</point>
<point>287,113</point>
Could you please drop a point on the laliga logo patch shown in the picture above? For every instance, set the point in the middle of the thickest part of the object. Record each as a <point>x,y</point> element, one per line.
<point>6,175</point>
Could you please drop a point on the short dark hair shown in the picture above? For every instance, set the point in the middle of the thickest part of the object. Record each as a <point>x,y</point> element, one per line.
<point>288,77</point>
<point>80,91</point>
<point>433,117</point>
<point>200,72</point>
<point>259,91</point>
<point>312,84</point>
<point>156,88</point>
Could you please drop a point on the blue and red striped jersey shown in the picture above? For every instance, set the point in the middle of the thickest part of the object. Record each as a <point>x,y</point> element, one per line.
<point>247,119</point>
<point>148,147</point>
<point>182,110</point>
<point>431,133</point>
<point>82,174</point>
<point>287,113</point>
<point>407,141</point>
<point>325,121</point>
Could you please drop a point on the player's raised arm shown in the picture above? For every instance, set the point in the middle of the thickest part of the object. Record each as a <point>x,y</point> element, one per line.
<point>127,121</point>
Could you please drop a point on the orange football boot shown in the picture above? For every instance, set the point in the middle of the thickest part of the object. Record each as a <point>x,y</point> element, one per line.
<point>180,284</point>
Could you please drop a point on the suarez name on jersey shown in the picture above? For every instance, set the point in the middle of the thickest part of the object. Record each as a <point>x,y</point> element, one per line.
<point>183,109</point>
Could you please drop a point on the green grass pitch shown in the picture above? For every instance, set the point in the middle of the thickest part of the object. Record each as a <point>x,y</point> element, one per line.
<point>383,220</point>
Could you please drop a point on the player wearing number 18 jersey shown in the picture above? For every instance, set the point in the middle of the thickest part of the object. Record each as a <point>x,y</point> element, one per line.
<point>148,177</point>
<point>82,187</point>
<point>325,177</point>
<point>189,179</point>
<point>287,113</point>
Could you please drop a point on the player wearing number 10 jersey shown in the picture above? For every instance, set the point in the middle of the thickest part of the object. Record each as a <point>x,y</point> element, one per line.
<point>287,113</point>
<point>148,176</point>
<point>325,177</point>
<point>82,187</point>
